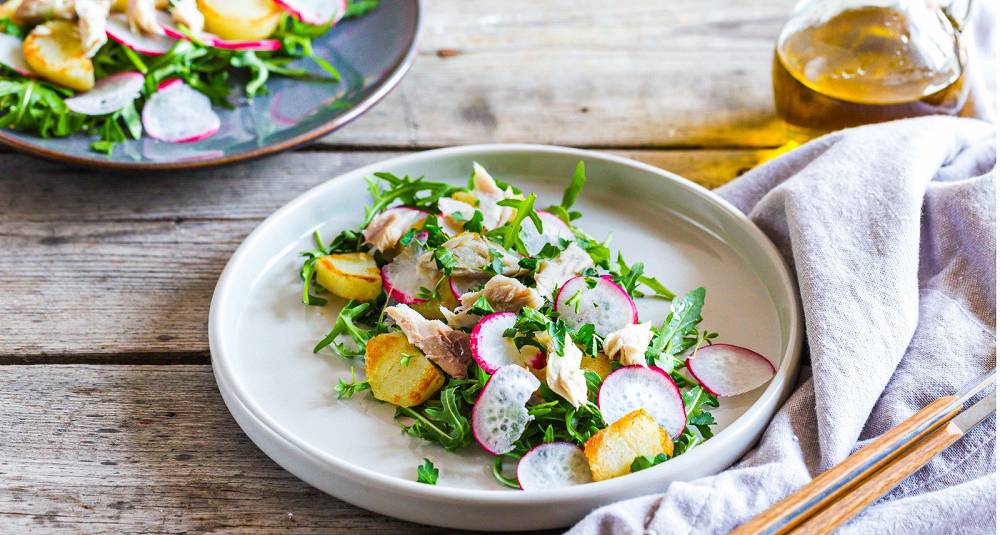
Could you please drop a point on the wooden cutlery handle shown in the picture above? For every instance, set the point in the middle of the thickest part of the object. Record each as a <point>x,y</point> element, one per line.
<point>817,494</point>
<point>880,482</point>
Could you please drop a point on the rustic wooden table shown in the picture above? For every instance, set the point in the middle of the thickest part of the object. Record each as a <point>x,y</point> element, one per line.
<point>110,418</point>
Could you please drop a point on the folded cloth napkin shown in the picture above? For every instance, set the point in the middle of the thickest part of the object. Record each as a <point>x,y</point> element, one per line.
<point>890,230</point>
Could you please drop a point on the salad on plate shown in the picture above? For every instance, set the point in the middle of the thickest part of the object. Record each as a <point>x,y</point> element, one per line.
<point>490,321</point>
<point>119,69</point>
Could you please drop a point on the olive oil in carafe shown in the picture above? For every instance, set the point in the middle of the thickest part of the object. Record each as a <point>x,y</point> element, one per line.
<point>866,65</point>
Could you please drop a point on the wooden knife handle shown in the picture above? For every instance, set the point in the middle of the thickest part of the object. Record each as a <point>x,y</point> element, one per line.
<point>774,520</point>
<point>881,482</point>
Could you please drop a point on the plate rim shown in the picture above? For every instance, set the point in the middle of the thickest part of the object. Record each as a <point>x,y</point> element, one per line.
<point>399,69</point>
<point>229,387</point>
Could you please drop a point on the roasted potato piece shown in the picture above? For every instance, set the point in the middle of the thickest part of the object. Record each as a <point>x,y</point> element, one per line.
<point>432,309</point>
<point>465,197</point>
<point>240,19</point>
<point>611,451</point>
<point>54,52</point>
<point>122,5</point>
<point>350,275</point>
<point>601,364</point>
<point>398,372</point>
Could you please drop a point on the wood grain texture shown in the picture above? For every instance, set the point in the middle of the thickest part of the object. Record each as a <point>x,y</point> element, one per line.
<point>774,518</point>
<point>147,449</point>
<point>879,483</point>
<point>649,74</point>
<point>99,267</point>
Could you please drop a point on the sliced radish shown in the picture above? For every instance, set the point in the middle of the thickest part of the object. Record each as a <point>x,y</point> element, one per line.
<point>460,286</point>
<point>553,229</point>
<point>539,361</point>
<point>402,278</point>
<point>12,54</point>
<point>151,45</point>
<point>315,12</point>
<point>172,31</point>
<point>176,113</point>
<point>727,370</point>
<point>109,94</point>
<point>490,348</point>
<point>607,306</point>
<point>499,415</point>
<point>552,466</point>
<point>637,387</point>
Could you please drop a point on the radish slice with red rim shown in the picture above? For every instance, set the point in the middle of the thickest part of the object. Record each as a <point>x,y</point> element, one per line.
<point>552,466</point>
<point>172,31</point>
<point>402,278</point>
<point>727,370</point>
<point>637,387</point>
<point>491,349</point>
<point>499,415</point>
<point>460,286</point>
<point>152,45</point>
<point>607,305</point>
<point>553,229</point>
<point>176,113</point>
<point>315,12</point>
<point>12,54</point>
<point>109,94</point>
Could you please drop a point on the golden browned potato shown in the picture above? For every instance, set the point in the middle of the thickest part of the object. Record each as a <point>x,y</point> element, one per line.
<point>54,52</point>
<point>122,5</point>
<point>432,309</point>
<point>611,451</point>
<point>350,275</point>
<point>601,364</point>
<point>240,19</point>
<point>398,372</point>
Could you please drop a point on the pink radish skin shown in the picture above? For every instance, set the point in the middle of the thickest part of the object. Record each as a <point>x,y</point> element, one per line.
<point>553,465</point>
<point>503,398</point>
<point>12,54</point>
<point>172,31</point>
<point>637,387</point>
<point>315,12</point>
<point>109,94</point>
<point>614,308</point>
<point>538,361</point>
<point>490,348</point>
<point>726,370</point>
<point>151,45</point>
<point>553,229</point>
<point>176,113</point>
<point>402,278</point>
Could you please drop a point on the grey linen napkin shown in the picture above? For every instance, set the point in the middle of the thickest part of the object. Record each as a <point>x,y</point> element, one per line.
<point>890,230</point>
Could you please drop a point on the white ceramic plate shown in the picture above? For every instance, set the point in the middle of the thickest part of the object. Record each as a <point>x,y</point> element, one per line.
<point>282,395</point>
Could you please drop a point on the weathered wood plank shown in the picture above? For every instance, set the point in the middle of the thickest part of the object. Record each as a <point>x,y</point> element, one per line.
<point>97,267</point>
<point>587,73</point>
<point>142,449</point>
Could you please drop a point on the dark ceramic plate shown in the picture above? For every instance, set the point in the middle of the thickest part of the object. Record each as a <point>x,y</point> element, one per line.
<point>372,53</point>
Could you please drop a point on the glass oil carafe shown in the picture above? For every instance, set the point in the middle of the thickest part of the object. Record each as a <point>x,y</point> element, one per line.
<point>841,63</point>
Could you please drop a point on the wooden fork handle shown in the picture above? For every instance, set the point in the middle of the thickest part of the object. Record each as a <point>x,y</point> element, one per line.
<point>881,482</point>
<point>815,495</point>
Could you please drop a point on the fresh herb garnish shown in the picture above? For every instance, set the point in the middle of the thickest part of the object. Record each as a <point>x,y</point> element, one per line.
<point>347,389</point>
<point>643,462</point>
<point>427,473</point>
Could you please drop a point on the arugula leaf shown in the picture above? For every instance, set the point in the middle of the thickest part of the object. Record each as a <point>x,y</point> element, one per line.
<point>475,224</point>
<point>509,234</point>
<point>427,473</point>
<point>356,8</point>
<point>482,307</point>
<point>562,210</point>
<point>679,331</point>
<point>416,193</point>
<point>345,325</point>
